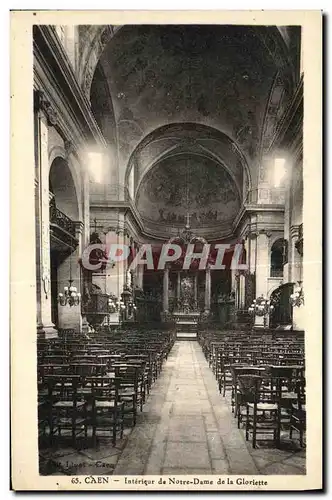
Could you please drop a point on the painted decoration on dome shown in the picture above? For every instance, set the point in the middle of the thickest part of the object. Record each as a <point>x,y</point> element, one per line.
<point>196,186</point>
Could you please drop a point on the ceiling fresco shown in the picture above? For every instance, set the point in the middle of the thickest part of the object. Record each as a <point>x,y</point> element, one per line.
<point>220,76</point>
<point>188,184</point>
<point>187,138</point>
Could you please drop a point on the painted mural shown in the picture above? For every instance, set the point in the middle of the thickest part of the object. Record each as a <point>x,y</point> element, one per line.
<point>191,185</point>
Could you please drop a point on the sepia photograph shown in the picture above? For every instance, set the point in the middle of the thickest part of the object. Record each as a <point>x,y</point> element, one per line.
<point>166,187</point>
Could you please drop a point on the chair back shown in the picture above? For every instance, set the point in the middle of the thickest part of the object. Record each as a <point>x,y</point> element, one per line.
<point>250,385</point>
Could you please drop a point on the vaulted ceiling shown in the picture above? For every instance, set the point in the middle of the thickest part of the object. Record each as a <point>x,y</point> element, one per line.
<point>229,84</point>
<point>217,75</point>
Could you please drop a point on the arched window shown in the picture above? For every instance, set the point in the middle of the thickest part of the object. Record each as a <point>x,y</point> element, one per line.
<point>278,258</point>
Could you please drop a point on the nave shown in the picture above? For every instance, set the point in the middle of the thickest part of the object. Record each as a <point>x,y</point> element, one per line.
<point>186,427</point>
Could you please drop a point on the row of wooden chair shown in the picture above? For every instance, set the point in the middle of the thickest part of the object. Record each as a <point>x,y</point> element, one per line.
<point>90,386</point>
<point>266,380</point>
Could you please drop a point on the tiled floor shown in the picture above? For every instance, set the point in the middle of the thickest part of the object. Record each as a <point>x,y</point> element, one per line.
<point>186,427</point>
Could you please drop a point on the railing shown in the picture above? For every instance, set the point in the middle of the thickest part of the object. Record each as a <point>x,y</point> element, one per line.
<point>62,220</point>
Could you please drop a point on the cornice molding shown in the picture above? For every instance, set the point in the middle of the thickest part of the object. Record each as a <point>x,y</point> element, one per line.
<point>289,129</point>
<point>53,61</point>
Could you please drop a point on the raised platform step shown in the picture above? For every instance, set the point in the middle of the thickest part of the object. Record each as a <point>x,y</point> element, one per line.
<point>186,327</point>
<point>186,336</point>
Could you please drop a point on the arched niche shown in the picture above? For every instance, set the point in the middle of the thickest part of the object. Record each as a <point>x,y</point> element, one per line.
<point>62,185</point>
<point>277,258</point>
<point>64,251</point>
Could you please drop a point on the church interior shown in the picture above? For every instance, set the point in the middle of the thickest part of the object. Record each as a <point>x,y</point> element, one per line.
<point>191,136</point>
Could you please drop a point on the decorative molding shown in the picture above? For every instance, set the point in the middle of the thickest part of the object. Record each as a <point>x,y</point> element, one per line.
<point>69,148</point>
<point>41,103</point>
<point>299,243</point>
<point>253,234</point>
<point>294,231</point>
<point>79,226</point>
<point>290,128</point>
<point>53,68</point>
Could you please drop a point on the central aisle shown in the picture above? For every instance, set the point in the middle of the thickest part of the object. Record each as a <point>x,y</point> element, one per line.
<point>186,427</point>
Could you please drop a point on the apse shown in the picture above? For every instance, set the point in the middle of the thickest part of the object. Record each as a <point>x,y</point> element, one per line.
<point>190,189</point>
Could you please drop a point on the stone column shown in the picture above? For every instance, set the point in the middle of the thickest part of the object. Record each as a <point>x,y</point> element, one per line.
<point>195,289</point>
<point>262,262</point>
<point>251,254</point>
<point>295,272</point>
<point>295,264</point>
<point>165,289</point>
<point>45,327</point>
<point>242,286</point>
<point>140,273</point>
<point>70,316</point>
<point>262,270</point>
<point>207,290</point>
<point>178,289</point>
<point>121,266</point>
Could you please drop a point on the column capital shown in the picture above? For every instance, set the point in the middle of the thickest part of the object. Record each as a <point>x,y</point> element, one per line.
<point>267,232</point>
<point>41,103</point>
<point>253,234</point>
<point>294,231</point>
<point>79,225</point>
<point>69,148</point>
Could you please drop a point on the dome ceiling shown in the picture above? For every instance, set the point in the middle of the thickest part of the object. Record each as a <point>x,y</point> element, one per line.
<point>217,75</point>
<point>189,184</point>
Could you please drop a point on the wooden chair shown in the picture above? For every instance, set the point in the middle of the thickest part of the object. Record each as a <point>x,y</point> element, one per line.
<point>127,377</point>
<point>68,411</point>
<point>298,413</point>
<point>107,409</point>
<point>262,415</point>
<point>241,397</point>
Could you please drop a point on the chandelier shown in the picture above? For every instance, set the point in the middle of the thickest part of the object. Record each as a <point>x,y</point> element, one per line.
<point>260,307</point>
<point>70,295</point>
<point>297,298</point>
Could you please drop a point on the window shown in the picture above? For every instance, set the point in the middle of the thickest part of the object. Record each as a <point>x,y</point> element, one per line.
<point>96,166</point>
<point>279,254</point>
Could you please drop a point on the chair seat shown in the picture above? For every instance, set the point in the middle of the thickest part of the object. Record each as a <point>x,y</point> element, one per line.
<point>289,395</point>
<point>127,392</point>
<point>68,404</point>
<point>265,426</point>
<point>264,406</point>
<point>105,404</point>
<point>68,421</point>
<point>295,408</point>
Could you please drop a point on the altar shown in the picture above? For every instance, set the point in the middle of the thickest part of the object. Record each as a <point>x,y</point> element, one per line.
<point>186,297</point>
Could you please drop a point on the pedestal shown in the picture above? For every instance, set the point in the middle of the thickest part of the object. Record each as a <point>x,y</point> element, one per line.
<point>165,290</point>
<point>207,291</point>
<point>45,326</point>
<point>298,318</point>
<point>260,323</point>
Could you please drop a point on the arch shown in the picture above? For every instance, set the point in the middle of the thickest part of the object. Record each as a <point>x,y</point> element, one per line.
<point>277,258</point>
<point>94,39</point>
<point>189,134</point>
<point>283,312</point>
<point>102,105</point>
<point>271,291</point>
<point>63,187</point>
<point>58,152</point>
<point>176,154</point>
